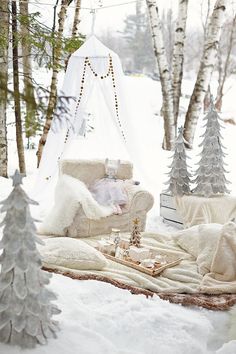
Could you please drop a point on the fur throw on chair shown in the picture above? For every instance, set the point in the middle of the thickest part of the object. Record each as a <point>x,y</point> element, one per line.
<point>69,193</point>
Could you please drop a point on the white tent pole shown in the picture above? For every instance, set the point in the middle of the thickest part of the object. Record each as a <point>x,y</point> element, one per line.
<point>93,12</point>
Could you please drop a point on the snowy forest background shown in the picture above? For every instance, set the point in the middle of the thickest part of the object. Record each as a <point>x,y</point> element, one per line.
<point>37,38</point>
<point>135,48</point>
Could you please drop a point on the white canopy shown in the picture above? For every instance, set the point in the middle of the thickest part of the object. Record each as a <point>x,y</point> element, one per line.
<point>95,80</point>
<point>92,66</point>
<point>93,48</point>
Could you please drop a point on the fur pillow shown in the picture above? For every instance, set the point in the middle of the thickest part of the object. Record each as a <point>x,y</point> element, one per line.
<point>201,242</point>
<point>71,253</point>
<point>194,239</point>
<point>188,240</point>
<point>209,235</point>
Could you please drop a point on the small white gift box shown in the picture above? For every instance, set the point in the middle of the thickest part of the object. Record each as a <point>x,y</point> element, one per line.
<point>138,254</point>
<point>160,258</point>
<point>149,263</point>
<point>106,246</point>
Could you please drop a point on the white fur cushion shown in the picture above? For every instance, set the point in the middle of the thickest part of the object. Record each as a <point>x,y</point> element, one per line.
<point>71,253</point>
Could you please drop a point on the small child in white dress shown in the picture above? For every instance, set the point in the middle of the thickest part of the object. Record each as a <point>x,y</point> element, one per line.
<point>110,191</point>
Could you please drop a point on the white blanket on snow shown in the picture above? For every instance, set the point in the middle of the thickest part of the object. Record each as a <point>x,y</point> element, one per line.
<point>222,273</point>
<point>184,277</point>
<point>181,278</point>
<point>69,194</point>
<point>197,210</point>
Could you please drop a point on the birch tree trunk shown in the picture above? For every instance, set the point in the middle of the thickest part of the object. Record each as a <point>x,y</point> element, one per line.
<point>75,26</point>
<point>178,56</point>
<point>54,79</point>
<point>207,100</point>
<point>54,26</point>
<point>224,68</point>
<point>4,30</point>
<point>205,71</point>
<point>165,77</point>
<point>205,19</point>
<point>30,120</point>
<point>76,19</point>
<point>19,135</point>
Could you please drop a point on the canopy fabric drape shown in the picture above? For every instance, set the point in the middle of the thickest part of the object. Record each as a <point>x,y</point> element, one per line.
<point>92,65</point>
<point>94,82</point>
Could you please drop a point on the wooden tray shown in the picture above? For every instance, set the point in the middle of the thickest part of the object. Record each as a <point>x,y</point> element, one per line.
<point>150,271</point>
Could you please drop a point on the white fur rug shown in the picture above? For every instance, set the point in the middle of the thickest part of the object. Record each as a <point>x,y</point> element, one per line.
<point>70,193</point>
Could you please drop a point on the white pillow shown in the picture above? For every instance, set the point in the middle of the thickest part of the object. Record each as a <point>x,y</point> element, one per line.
<point>71,253</point>
<point>188,239</point>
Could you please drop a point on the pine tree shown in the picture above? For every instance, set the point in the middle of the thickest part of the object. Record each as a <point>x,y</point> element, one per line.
<point>135,234</point>
<point>31,121</point>
<point>137,39</point>
<point>211,173</point>
<point>25,302</point>
<point>179,181</point>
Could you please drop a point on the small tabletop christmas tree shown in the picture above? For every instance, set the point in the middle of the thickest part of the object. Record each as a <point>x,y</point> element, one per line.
<point>179,177</point>
<point>210,174</point>
<point>135,234</point>
<point>25,302</point>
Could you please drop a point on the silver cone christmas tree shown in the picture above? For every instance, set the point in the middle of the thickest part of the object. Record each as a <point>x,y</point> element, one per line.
<point>25,302</point>
<point>210,174</point>
<point>135,239</point>
<point>179,177</point>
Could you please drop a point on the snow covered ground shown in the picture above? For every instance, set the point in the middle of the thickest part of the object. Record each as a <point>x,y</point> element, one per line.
<point>98,318</point>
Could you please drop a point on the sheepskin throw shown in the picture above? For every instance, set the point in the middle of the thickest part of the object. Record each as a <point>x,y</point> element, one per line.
<point>69,193</point>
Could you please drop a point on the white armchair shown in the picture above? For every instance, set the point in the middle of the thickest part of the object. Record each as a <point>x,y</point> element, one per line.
<point>87,171</point>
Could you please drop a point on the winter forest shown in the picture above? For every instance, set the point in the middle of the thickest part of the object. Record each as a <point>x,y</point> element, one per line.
<point>117,176</point>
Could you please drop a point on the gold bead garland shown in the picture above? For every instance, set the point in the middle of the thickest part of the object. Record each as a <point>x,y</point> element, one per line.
<point>110,71</point>
<point>116,99</point>
<point>80,96</point>
<point>66,137</point>
<point>82,85</point>
<point>93,71</point>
